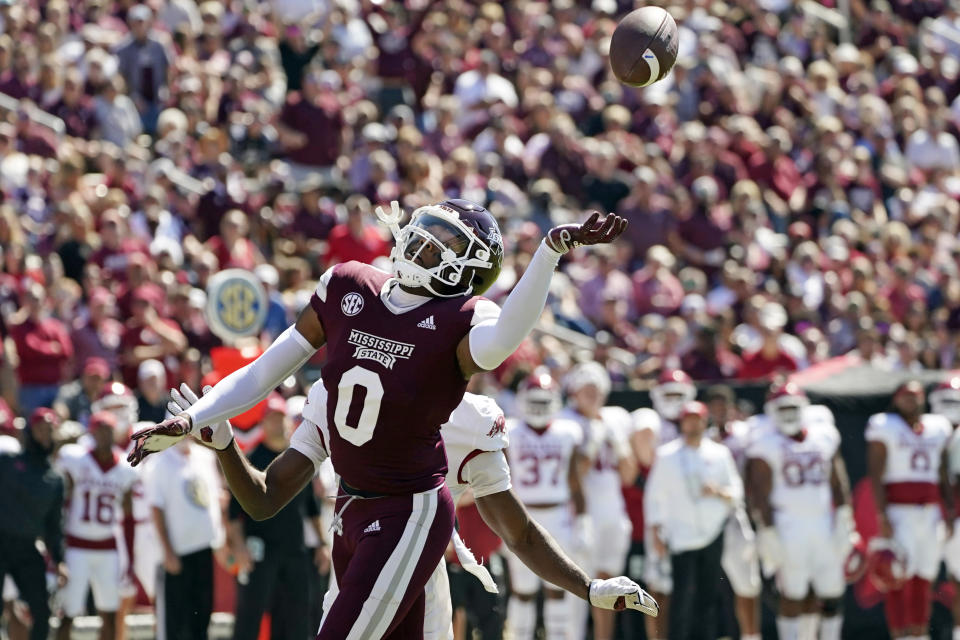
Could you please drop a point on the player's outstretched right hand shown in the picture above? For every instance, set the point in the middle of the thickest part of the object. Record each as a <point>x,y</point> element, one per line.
<point>158,437</point>
<point>593,231</point>
<point>622,593</point>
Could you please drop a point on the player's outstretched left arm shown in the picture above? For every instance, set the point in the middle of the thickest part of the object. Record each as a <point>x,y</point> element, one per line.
<point>237,392</point>
<point>508,518</point>
<point>489,343</point>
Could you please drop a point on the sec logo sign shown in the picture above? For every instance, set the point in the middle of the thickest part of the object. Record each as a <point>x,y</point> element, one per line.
<point>236,304</point>
<point>351,304</point>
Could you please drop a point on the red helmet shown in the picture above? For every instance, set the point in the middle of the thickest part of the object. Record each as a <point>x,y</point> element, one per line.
<point>855,566</point>
<point>538,398</point>
<point>945,399</point>
<point>784,407</point>
<point>118,399</point>
<point>886,565</point>
<point>674,389</point>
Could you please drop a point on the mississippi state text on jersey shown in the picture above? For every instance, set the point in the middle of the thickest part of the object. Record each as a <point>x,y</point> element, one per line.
<point>392,378</point>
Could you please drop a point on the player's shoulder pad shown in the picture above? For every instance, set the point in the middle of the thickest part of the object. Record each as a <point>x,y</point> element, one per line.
<point>477,421</point>
<point>764,443</point>
<point>70,452</point>
<point>938,422</point>
<point>645,418</point>
<point>670,448</point>
<point>879,426</point>
<point>482,310</point>
<point>616,415</point>
<point>818,413</point>
<point>568,427</point>
<point>829,432</point>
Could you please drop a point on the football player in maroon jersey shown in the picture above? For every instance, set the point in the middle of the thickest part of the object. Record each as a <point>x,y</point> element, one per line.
<point>400,349</point>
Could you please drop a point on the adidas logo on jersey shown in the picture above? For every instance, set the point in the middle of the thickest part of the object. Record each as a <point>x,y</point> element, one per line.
<point>373,527</point>
<point>427,324</point>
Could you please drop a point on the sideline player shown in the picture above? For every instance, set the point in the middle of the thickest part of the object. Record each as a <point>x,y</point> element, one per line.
<point>906,451</point>
<point>607,465</point>
<point>945,401</point>
<point>544,458</point>
<point>474,440</point>
<point>394,343</point>
<point>653,428</point>
<point>98,484</point>
<point>796,476</point>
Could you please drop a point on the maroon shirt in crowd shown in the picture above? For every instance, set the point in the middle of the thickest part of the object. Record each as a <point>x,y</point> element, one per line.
<point>322,124</point>
<point>44,348</point>
<point>344,246</point>
<point>757,366</point>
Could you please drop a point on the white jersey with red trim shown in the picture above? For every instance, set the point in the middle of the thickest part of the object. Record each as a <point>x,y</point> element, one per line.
<point>540,460</point>
<point>663,430</point>
<point>800,468</point>
<point>953,453</point>
<point>96,499</point>
<point>912,456</point>
<point>475,426</point>
<point>605,443</point>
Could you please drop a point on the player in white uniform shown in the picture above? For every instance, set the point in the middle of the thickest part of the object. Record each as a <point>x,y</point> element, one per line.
<point>474,439</point>
<point>118,399</point>
<point>98,488</point>
<point>740,561</point>
<point>608,465</point>
<point>906,463</point>
<point>796,476</point>
<point>651,429</point>
<point>543,457</point>
<point>945,401</point>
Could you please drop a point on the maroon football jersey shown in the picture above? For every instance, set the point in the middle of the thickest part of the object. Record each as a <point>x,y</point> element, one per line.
<point>392,379</point>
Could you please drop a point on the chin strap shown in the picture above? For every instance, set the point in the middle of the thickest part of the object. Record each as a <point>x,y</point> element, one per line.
<point>392,219</point>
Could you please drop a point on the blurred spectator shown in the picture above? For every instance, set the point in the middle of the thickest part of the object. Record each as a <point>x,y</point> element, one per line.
<point>357,238</point>
<point>656,289</point>
<point>75,398</point>
<point>44,350</point>
<point>232,248</point>
<point>97,333</point>
<point>143,62</point>
<point>151,391</point>
<point>147,335</point>
<point>770,358</point>
<point>311,126</point>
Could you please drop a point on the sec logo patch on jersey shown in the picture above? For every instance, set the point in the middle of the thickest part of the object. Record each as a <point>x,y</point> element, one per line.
<point>351,304</point>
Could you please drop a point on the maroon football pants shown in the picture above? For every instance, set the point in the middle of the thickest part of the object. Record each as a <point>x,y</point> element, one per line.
<point>387,551</point>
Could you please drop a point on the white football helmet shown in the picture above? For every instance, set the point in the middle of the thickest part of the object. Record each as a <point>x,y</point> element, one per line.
<point>784,406</point>
<point>538,399</point>
<point>945,400</point>
<point>673,391</point>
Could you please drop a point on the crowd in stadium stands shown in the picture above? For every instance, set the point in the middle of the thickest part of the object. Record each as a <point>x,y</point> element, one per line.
<point>792,194</point>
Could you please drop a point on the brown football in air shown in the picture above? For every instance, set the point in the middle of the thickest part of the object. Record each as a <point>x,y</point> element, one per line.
<point>644,46</point>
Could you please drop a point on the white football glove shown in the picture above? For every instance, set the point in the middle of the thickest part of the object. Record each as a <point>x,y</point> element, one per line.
<point>844,530</point>
<point>622,593</point>
<point>216,436</point>
<point>770,550</point>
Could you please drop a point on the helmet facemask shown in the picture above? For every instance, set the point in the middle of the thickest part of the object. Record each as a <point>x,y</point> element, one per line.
<point>669,398</point>
<point>538,406</point>
<point>946,404</point>
<point>437,252</point>
<point>787,413</point>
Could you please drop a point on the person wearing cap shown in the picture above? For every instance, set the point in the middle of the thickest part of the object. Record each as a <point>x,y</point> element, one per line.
<point>143,62</point>
<point>278,317</point>
<point>32,506</point>
<point>147,335</point>
<point>691,492</point>
<point>75,398</point>
<point>271,555</point>
<point>151,390</point>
